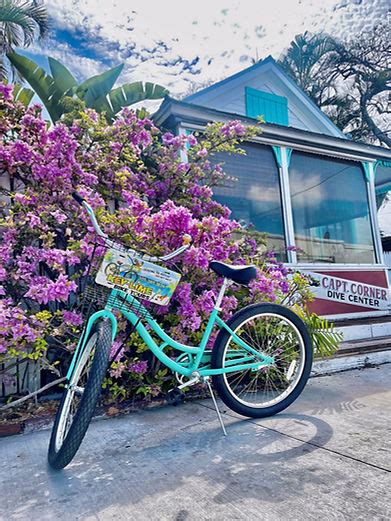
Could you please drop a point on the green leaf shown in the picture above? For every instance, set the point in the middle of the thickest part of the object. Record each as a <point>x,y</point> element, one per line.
<point>62,78</point>
<point>41,82</point>
<point>324,338</point>
<point>23,94</point>
<point>129,94</point>
<point>98,86</point>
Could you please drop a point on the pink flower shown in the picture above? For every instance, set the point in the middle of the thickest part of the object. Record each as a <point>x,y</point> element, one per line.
<point>192,140</point>
<point>33,220</point>
<point>43,290</point>
<point>202,153</point>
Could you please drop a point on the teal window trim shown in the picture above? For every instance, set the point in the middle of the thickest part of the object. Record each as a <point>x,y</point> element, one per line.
<point>367,172</point>
<point>288,155</point>
<point>272,107</point>
<point>277,154</point>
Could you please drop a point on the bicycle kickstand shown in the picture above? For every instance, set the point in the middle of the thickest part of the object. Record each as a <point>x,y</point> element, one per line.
<point>207,381</point>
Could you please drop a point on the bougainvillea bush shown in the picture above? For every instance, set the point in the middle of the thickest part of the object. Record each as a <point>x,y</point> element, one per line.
<point>146,195</point>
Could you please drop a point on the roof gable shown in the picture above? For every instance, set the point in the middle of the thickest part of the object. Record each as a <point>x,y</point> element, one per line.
<point>228,95</point>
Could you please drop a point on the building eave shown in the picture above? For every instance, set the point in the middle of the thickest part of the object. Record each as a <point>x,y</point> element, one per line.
<point>173,113</point>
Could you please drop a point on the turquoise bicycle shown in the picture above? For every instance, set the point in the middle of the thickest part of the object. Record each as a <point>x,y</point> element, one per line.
<point>259,364</point>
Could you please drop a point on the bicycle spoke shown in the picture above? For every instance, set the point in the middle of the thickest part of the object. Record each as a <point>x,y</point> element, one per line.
<point>275,336</point>
<point>73,398</point>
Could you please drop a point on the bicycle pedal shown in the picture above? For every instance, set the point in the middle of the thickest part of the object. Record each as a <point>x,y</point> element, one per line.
<point>175,396</point>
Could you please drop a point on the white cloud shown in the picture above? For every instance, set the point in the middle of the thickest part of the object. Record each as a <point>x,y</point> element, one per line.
<point>224,34</point>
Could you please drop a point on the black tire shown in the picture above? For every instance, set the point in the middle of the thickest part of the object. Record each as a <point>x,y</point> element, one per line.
<point>60,457</point>
<point>220,382</point>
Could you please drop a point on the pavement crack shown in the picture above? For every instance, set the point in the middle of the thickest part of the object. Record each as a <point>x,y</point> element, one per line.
<point>311,443</point>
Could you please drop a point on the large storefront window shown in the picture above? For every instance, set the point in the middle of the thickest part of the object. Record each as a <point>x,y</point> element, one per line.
<point>254,197</point>
<point>330,210</point>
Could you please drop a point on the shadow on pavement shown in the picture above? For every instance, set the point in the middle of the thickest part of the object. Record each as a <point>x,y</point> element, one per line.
<point>253,461</point>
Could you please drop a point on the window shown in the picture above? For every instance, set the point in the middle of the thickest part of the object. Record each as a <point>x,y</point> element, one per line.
<point>330,210</point>
<point>382,182</point>
<point>254,197</point>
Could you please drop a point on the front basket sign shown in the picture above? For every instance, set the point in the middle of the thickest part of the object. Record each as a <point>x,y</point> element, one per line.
<point>131,274</point>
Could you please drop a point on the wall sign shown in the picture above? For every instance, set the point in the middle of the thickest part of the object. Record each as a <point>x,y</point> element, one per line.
<point>350,293</point>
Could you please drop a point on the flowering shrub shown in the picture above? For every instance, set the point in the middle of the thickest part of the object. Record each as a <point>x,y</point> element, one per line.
<point>145,195</point>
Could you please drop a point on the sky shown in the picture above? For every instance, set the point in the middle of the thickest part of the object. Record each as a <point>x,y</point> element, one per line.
<point>180,44</point>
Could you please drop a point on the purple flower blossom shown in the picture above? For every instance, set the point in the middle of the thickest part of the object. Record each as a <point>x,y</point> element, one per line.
<point>192,140</point>
<point>139,367</point>
<point>75,319</point>
<point>202,153</point>
<point>6,91</point>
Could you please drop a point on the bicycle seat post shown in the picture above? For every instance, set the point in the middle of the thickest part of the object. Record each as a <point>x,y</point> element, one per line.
<point>221,294</point>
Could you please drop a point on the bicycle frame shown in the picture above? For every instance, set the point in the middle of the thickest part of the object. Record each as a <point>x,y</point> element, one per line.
<point>198,356</point>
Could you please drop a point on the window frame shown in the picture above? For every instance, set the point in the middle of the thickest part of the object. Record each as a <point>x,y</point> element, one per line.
<point>370,190</point>
<point>285,146</point>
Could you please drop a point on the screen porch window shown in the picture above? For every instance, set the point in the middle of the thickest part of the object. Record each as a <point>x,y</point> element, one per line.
<point>330,210</point>
<point>254,195</point>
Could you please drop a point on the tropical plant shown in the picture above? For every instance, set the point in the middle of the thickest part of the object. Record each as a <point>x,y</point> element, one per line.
<point>21,23</point>
<point>23,94</point>
<point>349,80</point>
<point>307,60</point>
<point>324,337</point>
<point>96,92</point>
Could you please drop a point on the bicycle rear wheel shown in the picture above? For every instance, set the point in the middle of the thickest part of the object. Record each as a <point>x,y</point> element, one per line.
<point>79,400</point>
<point>275,331</point>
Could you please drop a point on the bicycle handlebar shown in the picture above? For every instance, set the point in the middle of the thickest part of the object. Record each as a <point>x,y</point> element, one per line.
<point>186,238</point>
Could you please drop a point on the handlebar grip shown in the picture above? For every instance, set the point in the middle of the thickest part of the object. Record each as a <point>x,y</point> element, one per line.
<point>78,198</point>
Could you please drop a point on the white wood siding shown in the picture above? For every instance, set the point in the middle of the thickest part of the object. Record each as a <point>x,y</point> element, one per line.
<point>230,97</point>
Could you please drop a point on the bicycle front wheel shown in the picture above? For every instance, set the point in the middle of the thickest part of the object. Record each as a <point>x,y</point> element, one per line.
<point>272,330</point>
<point>79,400</point>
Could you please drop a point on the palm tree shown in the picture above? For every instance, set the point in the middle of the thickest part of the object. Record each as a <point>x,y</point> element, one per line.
<point>21,23</point>
<point>307,62</point>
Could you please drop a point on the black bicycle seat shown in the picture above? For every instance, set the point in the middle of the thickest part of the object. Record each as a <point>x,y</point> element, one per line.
<point>238,273</point>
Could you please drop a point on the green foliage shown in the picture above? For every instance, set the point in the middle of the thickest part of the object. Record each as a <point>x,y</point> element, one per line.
<point>95,89</point>
<point>21,23</point>
<point>348,79</point>
<point>23,94</point>
<point>40,81</point>
<point>129,94</point>
<point>325,339</point>
<point>56,89</point>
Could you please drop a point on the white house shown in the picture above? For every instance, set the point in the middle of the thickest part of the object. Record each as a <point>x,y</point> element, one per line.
<point>307,185</point>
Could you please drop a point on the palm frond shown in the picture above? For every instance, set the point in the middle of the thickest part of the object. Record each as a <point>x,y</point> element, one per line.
<point>22,22</point>
<point>324,337</point>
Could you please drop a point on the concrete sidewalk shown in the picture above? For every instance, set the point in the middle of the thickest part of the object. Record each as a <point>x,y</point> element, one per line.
<point>327,457</point>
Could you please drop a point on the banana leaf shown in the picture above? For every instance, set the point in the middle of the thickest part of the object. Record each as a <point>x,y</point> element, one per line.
<point>23,94</point>
<point>98,86</point>
<point>62,79</point>
<point>41,82</point>
<point>129,94</point>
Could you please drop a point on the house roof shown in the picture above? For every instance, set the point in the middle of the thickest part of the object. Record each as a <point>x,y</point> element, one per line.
<point>211,96</point>
<point>173,113</point>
